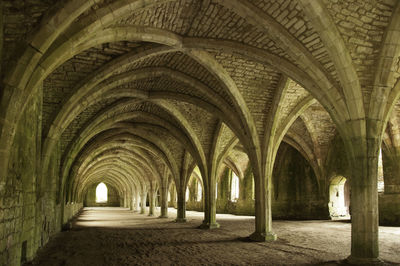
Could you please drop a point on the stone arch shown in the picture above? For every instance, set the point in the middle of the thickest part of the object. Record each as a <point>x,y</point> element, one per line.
<point>135,130</point>
<point>139,142</point>
<point>339,54</point>
<point>103,170</point>
<point>339,197</point>
<point>25,76</point>
<point>385,81</point>
<point>194,179</point>
<point>299,144</point>
<point>296,50</point>
<point>129,161</point>
<point>134,158</point>
<point>90,195</point>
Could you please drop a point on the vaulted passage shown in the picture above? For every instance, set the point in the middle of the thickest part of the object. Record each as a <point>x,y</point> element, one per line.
<point>275,109</point>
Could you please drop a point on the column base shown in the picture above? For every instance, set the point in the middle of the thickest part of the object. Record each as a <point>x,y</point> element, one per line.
<point>364,261</point>
<point>163,216</point>
<point>263,237</point>
<point>180,220</point>
<point>150,214</point>
<point>209,226</point>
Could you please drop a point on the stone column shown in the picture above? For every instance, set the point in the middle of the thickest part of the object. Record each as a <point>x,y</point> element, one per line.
<point>181,211</point>
<point>137,202</point>
<point>173,197</point>
<point>143,196</point>
<point>152,201</point>
<point>262,189</point>
<point>164,198</point>
<point>132,201</point>
<point>364,201</point>
<point>210,206</point>
<point>129,202</point>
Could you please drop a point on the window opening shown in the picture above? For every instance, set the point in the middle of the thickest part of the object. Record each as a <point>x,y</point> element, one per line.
<point>381,183</point>
<point>101,193</point>
<point>199,191</point>
<point>339,197</point>
<point>234,187</point>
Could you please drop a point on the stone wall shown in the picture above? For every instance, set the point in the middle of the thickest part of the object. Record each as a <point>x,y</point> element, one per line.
<point>296,192</point>
<point>70,210</point>
<point>389,209</point>
<point>389,201</point>
<point>113,199</point>
<point>31,209</point>
<point>18,196</point>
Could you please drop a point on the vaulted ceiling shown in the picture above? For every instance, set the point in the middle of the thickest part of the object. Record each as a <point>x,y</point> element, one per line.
<point>134,91</point>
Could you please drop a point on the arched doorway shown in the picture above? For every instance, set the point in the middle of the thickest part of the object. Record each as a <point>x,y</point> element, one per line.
<point>234,187</point>
<point>101,193</point>
<point>339,198</point>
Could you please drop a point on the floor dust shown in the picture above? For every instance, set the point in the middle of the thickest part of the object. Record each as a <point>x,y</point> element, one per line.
<point>117,236</point>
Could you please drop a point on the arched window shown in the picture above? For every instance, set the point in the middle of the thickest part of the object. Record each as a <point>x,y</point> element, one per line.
<point>339,196</point>
<point>199,191</point>
<point>381,183</point>
<point>253,189</point>
<point>101,193</point>
<point>187,194</point>
<point>234,187</point>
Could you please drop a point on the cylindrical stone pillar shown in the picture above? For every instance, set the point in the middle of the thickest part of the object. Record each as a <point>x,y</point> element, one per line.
<point>137,202</point>
<point>364,204</point>
<point>151,202</point>
<point>143,202</point>
<point>164,200</point>
<point>262,195</point>
<point>210,206</point>
<point>181,211</point>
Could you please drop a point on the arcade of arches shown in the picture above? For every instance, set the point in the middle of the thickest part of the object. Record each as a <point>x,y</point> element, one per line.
<point>272,108</point>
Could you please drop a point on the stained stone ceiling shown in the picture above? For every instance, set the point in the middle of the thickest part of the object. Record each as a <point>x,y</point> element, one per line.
<point>131,89</point>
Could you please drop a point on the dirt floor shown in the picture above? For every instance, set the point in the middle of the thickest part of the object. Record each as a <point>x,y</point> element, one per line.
<point>117,236</point>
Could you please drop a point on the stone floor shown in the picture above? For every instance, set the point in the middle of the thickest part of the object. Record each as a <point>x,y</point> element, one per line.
<point>117,236</point>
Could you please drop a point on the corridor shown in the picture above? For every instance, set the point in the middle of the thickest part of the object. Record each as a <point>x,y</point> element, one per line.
<point>118,236</point>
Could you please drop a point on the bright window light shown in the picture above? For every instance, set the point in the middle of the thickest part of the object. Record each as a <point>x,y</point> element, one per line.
<point>339,197</point>
<point>235,187</point>
<point>187,193</point>
<point>381,183</point>
<point>101,193</point>
<point>199,191</point>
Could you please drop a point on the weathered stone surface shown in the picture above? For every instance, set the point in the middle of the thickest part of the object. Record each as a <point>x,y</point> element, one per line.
<point>156,96</point>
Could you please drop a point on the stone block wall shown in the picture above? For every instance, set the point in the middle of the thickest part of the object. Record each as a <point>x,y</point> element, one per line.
<point>70,210</point>
<point>389,209</point>
<point>30,207</point>
<point>113,199</point>
<point>296,193</point>
<point>18,195</point>
<point>296,190</point>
